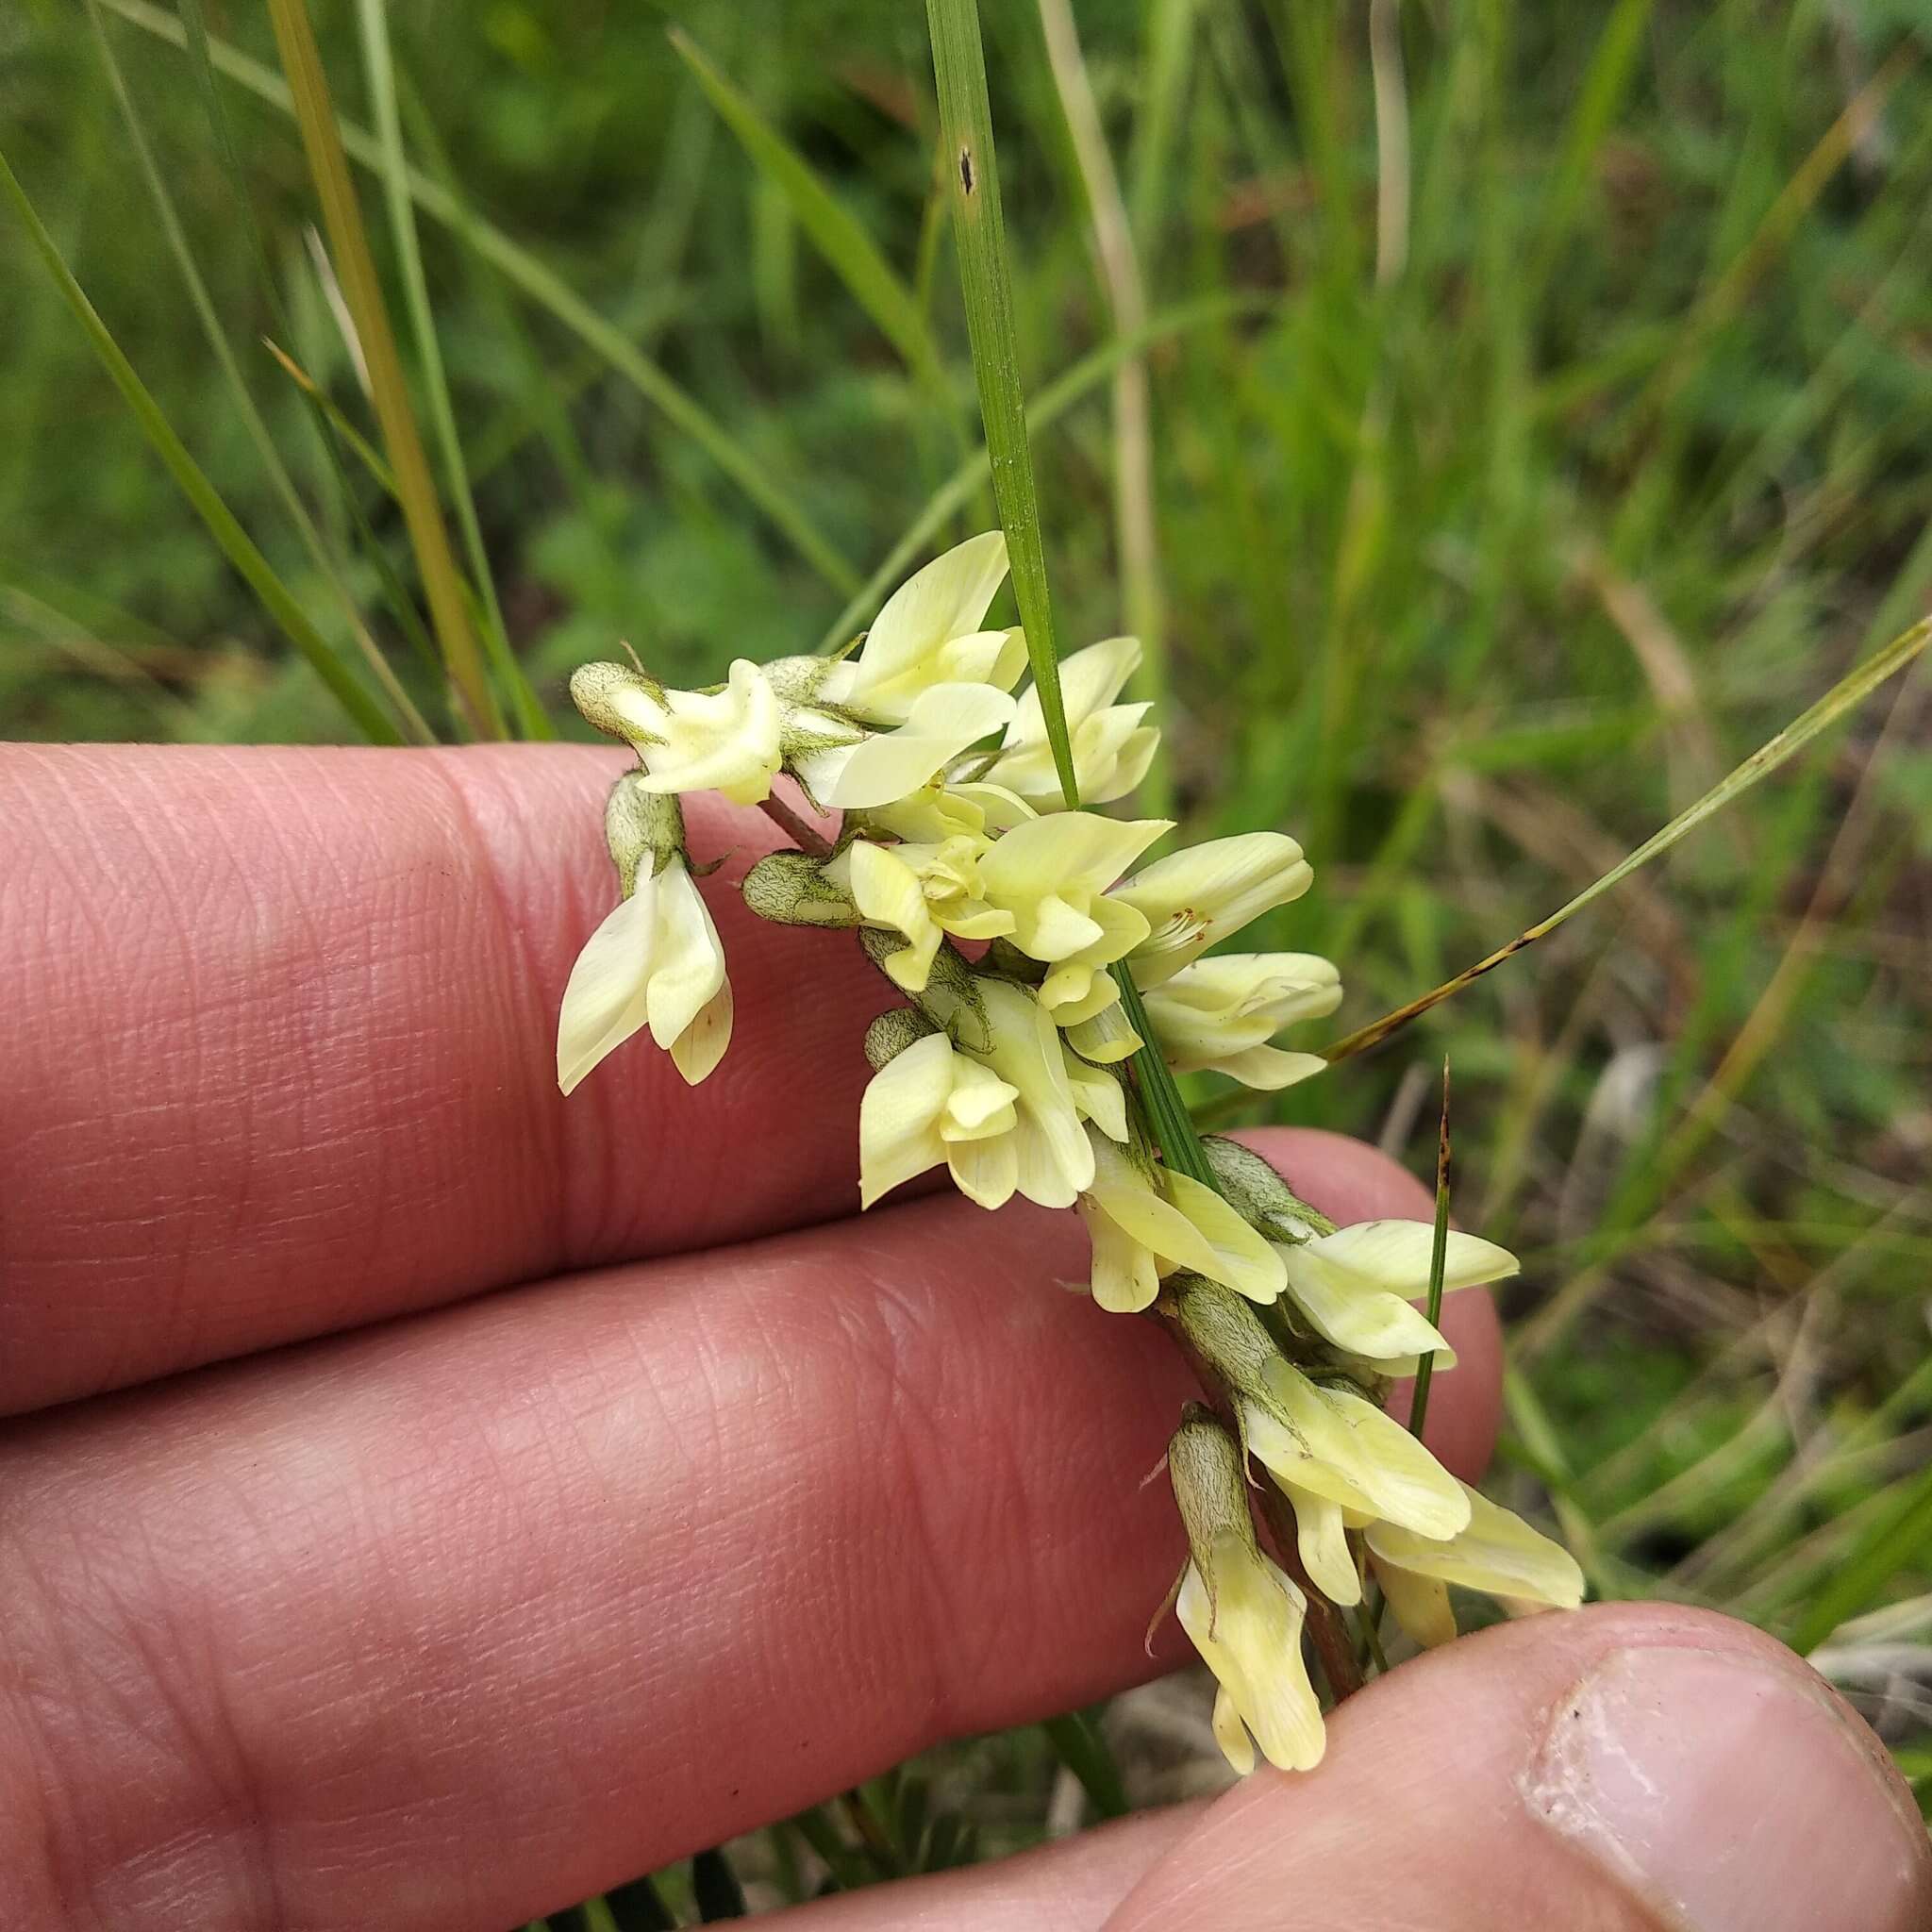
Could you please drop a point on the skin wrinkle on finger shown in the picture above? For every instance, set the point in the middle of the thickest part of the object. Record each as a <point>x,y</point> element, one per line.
<point>481,1613</point>
<point>284,1059</point>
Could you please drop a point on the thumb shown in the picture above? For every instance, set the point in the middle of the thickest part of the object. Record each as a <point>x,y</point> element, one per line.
<point>1613,1770</point>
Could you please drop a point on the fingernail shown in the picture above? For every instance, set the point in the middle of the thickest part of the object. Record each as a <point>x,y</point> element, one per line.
<point>1727,1792</point>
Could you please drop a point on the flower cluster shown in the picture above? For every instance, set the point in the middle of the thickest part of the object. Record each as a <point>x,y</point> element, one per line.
<point>1011,924</point>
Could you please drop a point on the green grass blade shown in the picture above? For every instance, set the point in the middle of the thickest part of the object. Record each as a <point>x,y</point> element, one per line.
<point>379,65</point>
<point>1165,71</point>
<point>396,414</point>
<point>971,171</point>
<point>1136,519</point>
<point>1604,86</point>
<point>1851,690</point>
<point>973,178</point>
<point>352,440</point>
<point>847,249</point>
<point>1897,1541</point>
<point>239,395</point>
<point>1053,402</point>
<point>1077,1743</point>
<point>715,1888</point>
<point>1439,1261</point>
<point>639,1906</point>
<point>234,543</point>
<point>550,292</point>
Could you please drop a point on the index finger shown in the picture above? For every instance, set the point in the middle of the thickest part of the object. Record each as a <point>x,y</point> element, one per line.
<point>280,1051</point>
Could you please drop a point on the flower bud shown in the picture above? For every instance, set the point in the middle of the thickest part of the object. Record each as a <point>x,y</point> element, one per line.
<point>892,1032</point>
<point>619,701</point>
<point>1204,1463</point>
<point>1241,1613</point>
<point>1223,1329</point>
<point>639,826</point>
<point>1265,1200</point>
<point>792,889</point>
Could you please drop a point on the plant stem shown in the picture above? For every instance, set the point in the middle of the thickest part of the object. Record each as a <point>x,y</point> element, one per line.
<point>794,827</point>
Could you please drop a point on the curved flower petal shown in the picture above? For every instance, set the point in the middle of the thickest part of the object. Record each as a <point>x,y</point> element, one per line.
<point>1105,1038</point>
<point>1124,1278</point>
<point>1055,1159</point>
<point>697,1050</point>
<point>1498,1554</point>
<point>1193,898</point>
<point>891,765</point>
<point>934,611</point>
<point>1248,1630</point>
<point>1396,1254</point>
<point>899,1115</point>
<point>1365,1320</point>
<point>1421,1603</point>
<point>1338,1445</point>
<point>724,741</point>
<point>1321,1536</point>
<point>1098,1097</point>
<point>887,891</point>
<point>988,1172</point>
<point>687,959</point>
<point>605,999</point>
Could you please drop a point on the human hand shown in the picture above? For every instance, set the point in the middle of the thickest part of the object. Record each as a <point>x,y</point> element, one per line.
<point>624,1491</point>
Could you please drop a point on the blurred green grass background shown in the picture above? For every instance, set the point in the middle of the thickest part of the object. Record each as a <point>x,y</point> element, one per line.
<point>1538,420</point>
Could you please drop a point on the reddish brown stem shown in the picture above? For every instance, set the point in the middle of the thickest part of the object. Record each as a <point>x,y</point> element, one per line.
<point>795,828</point>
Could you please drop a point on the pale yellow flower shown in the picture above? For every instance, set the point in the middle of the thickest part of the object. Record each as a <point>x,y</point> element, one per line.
<point>843,766</point>
<point>1334,1444</point>
<point>1195,898</point>
<point>922,1105</point>
<point>1145,1225</point>
<point>1497,1553</point>
<point>1000,1114</point>
<point>656,959</point>
<point>1357,1286</point>
<point>1052,874</point>
<point>1111,747</point>
<point>1245,1617</point>
<point>928,633</point>
<point>724,740</point>
<point>922,893</point>
<point>1219,1015</point>
<point>1242,1614</point>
